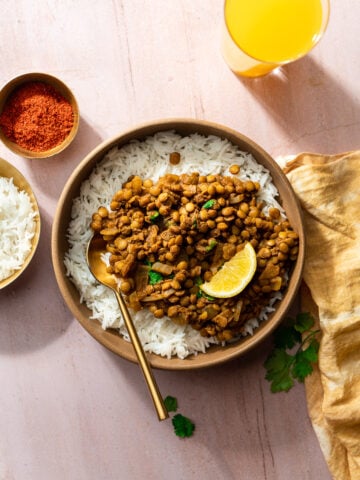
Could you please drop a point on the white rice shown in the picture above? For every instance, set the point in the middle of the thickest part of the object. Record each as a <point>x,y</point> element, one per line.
<point>17,227</point>
<point>150,159</point>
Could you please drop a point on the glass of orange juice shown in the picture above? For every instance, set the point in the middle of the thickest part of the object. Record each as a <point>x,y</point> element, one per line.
<point>260,35</point>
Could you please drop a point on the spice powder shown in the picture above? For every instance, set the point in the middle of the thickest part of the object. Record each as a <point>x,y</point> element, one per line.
<point>37,117</point>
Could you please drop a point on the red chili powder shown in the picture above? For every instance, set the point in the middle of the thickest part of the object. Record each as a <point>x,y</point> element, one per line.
<point>37,117</point>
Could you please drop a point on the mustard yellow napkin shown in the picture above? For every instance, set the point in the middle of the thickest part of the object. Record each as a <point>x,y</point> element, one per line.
<point>328,188</point>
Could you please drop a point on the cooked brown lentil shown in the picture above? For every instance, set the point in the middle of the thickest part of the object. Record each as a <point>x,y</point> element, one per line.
<point>167,238</point>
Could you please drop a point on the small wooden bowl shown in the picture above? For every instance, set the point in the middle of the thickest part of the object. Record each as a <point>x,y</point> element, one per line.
<point>9,171</point>
<point>111,338</point>
<point>60,87</point>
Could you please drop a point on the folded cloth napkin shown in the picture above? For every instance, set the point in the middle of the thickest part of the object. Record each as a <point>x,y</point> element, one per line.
<point>328,188</point>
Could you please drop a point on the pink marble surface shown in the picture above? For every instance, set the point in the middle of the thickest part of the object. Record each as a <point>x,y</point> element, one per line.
<point>69,409</point>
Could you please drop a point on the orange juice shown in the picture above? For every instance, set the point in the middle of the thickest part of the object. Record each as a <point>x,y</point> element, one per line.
<point>271,32</point>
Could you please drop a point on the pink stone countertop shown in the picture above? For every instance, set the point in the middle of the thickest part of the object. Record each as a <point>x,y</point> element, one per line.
<point>70,409</point>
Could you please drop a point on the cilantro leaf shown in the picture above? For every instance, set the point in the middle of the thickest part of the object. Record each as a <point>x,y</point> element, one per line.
<point>183,426</point>
<point>211,246</point>
<point>209,204</point>
<point>154,277</point>
<point>170,403</point>
<point>205,295</point>
<point>302,367</point>
<point>311,352</point>
<point>154,216</point>
<point>304,359</point>
<point>278,366</point>
<point>286,337</point>
<point>304,322</point>
<point>200,293</point>
<point>282,365</point>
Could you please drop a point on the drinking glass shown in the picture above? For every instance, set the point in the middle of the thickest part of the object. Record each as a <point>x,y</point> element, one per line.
<point>260,35</point>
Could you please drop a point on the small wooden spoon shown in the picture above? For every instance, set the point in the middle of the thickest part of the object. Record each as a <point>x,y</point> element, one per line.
<point>96,248</point>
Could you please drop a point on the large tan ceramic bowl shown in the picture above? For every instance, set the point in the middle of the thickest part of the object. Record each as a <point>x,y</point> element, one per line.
<point>110,338</point>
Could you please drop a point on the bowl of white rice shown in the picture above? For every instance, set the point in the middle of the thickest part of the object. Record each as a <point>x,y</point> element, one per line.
<point>204,147</point>
<point>19,223</point>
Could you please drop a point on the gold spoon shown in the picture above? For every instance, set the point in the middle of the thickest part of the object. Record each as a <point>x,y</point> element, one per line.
<point>96,247</point>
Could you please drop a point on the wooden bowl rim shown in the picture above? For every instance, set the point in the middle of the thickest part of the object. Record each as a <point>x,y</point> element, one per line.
<point>215,355</point>
<point>9,171</point>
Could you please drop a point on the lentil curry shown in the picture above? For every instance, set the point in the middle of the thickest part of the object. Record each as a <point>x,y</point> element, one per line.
<point>167,238</point>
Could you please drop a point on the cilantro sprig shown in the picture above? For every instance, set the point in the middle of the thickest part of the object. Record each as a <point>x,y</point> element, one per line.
<point>209,204</point>
<point>183,426</point>
<point>295,350</point>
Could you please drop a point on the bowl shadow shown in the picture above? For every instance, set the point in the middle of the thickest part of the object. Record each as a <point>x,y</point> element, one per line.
<point>60,167</point>
<point>310,105</point>
<point>28,321</point>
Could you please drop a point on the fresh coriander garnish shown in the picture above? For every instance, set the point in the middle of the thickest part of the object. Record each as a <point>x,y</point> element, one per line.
<point>283,365</point>
<point>183,426</point>
<point>205,295</point>
<point>154,216</point>
<point>170,403</point>
<point>154,277</point>
<point>211,246</point>
<point>209,204</point>
<point>200,293</point>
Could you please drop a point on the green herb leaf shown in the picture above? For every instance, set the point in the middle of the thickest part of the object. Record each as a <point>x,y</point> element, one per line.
<point>278,366</point>
<point>200,293</point>
<point>170,403</point>
<point>282,365</point>
<point>154,277</point>
<point>154,216</point>
<point>286,337</point>
<point>211,246</point>
<point>208,297</point>
<point>209,204</point>
<point>304,359</point>
<point>183,426</point>
<point>311,352</point>
<point>304,322</point>
<point>302,367</point>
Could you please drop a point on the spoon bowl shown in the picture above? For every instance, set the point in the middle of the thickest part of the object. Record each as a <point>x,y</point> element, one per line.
<point>95,251</point>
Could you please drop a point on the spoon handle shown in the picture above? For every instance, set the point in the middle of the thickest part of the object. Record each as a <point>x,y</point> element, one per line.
<point>143,361</point>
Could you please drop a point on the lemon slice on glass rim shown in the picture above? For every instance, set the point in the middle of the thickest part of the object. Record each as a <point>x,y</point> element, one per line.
<point>234,275</point>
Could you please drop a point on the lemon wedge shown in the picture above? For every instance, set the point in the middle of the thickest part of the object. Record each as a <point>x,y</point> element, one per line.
<point>234,275</point>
